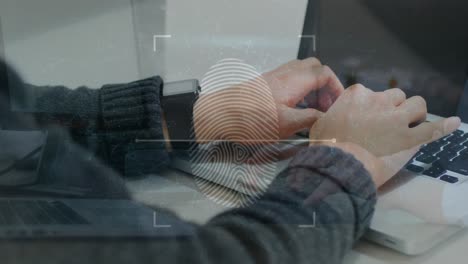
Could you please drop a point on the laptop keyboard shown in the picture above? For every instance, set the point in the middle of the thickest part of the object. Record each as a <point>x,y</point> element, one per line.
<point>38,212</point>
<point>445,159</point>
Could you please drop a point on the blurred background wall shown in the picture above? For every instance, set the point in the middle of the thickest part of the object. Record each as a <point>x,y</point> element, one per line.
<point>91,42</point>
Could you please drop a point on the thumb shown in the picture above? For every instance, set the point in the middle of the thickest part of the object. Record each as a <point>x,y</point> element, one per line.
<point>293,120</point>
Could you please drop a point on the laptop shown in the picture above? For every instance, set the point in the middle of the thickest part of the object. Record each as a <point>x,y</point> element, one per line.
<point>51,203</point>
<point>422,48</point>
<point>39,217</point>
<point>71,195</point>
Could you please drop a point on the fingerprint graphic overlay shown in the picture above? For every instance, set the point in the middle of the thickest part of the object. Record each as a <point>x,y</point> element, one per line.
<point>236,134</point>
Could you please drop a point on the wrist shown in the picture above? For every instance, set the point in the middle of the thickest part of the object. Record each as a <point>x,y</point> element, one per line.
<point>177,103</point>
<point>372,164</point>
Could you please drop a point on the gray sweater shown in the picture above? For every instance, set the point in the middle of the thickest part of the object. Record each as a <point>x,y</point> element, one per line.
<point>313,212</point>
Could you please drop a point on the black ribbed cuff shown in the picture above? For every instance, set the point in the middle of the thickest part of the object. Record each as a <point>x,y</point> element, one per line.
<point>129,112</point>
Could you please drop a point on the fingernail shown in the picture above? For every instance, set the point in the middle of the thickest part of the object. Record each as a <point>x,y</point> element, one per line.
<point>452,124</point>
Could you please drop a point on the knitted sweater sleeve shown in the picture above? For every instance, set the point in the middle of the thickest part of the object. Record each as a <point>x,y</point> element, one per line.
<point>109,121</point>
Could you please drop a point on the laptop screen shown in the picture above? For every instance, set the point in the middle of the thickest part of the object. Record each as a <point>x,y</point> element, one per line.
<point>420,46</point>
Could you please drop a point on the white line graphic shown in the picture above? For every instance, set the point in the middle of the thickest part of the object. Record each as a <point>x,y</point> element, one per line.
<point>156,37</point>
<point>155,223</point>
<point>314,46</point>
<point>333,140</point>
<point>309,226</point>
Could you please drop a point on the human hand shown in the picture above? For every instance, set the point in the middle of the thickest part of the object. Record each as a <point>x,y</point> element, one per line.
<point>298,80</point>
<point>379,128</point>
<point>266,105</point>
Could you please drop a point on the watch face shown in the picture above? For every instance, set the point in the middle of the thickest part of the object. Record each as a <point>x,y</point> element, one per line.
<point>177,103</point>
<point>181,87</point>
<point>178,112</point>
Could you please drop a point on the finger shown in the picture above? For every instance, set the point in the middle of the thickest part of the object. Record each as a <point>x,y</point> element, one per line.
<point>288,66</point>
<point>320,100</point>
<point>293,120</point>
<point>310,62</point>
<point>306,80</point>
<point>430,131</point>
<point>301,64</point>
<point>415,109</point>
<point>327,78</point>
<point>397,96</point>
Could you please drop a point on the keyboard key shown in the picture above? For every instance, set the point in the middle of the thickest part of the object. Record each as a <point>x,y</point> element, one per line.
<point>39,214</point>
<point>428,159</point>
<point>70,213</point>
<point>446,138</point>
<point>457,140</point>
<point>31,212</point>
<point>434,171</point>
<point>449,179</point>
<point>438,143</point>
<point>447,154</point>
<point>415,168</point>
<point>22,209</point>
<point>58,217</point>
<point>442,162</point>
<point>458,132</point>
<point>430,150</point>
<point>459,165</point>
<point>9,216</point>
<point>454,148</point>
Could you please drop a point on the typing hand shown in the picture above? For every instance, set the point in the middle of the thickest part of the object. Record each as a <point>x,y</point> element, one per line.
<point>264,108</point>
<point>377,127</point>
<point>295,81</point>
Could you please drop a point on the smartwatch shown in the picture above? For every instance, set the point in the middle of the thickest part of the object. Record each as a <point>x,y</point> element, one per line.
<point>177,101</point>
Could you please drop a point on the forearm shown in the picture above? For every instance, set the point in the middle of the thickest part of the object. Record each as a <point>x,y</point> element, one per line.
<point>109,121</point>
<point>312,213</point>
<point>61,100</point>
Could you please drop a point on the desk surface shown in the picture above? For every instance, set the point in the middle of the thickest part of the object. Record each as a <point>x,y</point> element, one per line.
<point>178,191</point>
<point>180,194</point>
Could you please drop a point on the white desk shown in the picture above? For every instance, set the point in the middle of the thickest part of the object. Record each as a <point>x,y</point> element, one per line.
<point>180,194</point>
